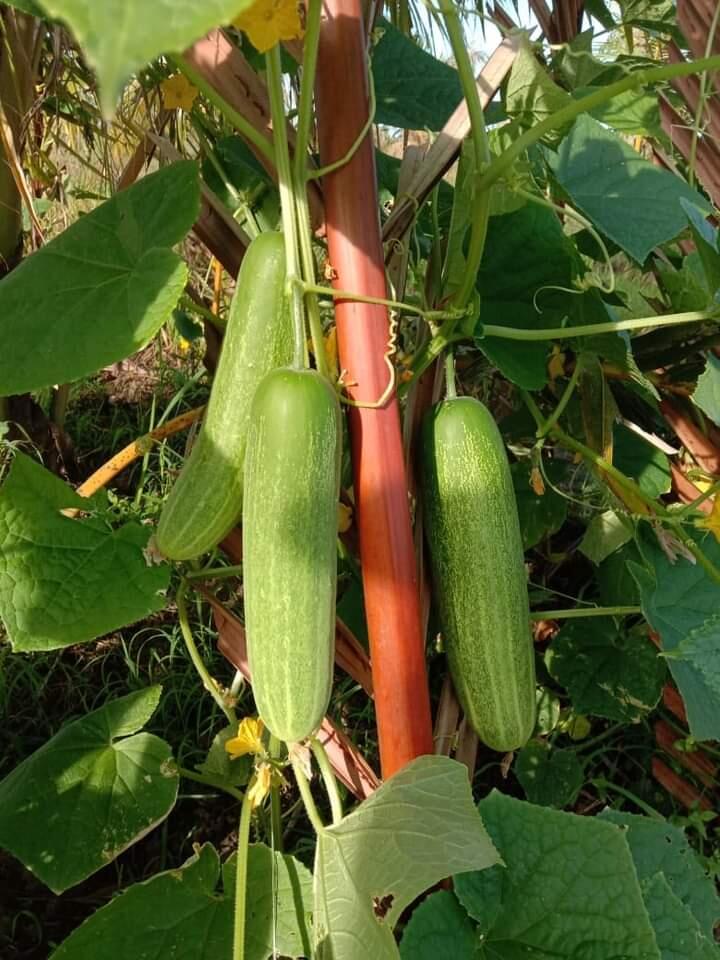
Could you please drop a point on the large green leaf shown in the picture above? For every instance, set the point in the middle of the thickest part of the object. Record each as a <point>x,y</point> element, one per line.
<point>550,777</point>
<point>102,289</point>
<point>413,90</point>
<point>701,649</point>
<point>419,827</point>
<point>182,913</point>
<point>531,94</point>
<point>89,793</point>
<point>607,673</point>
<point>631,201</point>
<point>119,37</point>
<point>630,112</point>
<point>660,847</point>
<point>678,597</point>
<point>677,931</point>
<point>64,580</point>
<point>568,888</point>
<point>439,927</point>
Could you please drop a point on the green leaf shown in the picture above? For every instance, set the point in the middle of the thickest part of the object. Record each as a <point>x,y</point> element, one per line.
<point>678,597</point>
<point>119,37</point>
<point>658,847</point>
<point>85,796</point>
<point>684,287</point>
<point>234,771</point>
<point>701,649</point>
<point>641,461</point>
<point>182,913</point>
<point>632,112</point>
<point>551,778</point>
<point>707,391</point>
<point>103,288</point>
<point>568,890</point>
<point>653,15</point>
<point>417,828</point>
<point>616,584</point>
<point>627,198</point>
<point>677,932</point>
<point>606,673</point>
<point>235,174</point>
<point>605,534</point>
<point>521,362</point>
<point>531,94</point>
<point>439,927</point>
<point>705,238</point>
<point>413,90</point>
<point>540,516</point>
<point>63,580</point>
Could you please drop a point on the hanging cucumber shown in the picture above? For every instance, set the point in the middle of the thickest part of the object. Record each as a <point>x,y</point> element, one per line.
<point>292,484</point>
<point>206,501</point>
<point>476,551</point>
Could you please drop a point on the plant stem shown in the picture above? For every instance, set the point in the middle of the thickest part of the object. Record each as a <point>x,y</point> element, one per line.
<point>326,771</point>
<point>214,573</point>
<point>307,797</point>
<point>564,400</point>
<point>594,329</point>
<point>243,126</point>
<point>274,748</point>
<point>600,738</point>
<point>210,782</point>
<point>694,504</point>
<point>573,612</point>
<point>481,194</point>
<point>241,863</point>
<point>702,97</point>
<point>639,78</point>
<point>287,202</point>
<point>450,375</point>
<point>602,784</point>
<point>197,660</point>
<point>300,177</point>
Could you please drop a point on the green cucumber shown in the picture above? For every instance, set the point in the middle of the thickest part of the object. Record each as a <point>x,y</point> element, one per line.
<point>206,500</point>
<point>479,575</point>
<point>292,486</point>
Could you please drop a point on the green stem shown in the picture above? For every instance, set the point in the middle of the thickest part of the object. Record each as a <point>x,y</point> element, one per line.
<point>287,202</point>
<point>215,573</point>
<point>274,749</point>
<point>241,864</point>
<point>593,329</point>
<point>702,97</point>
<point>210,782</point>
<point>600,738</point>
<point>307,797</point>
<point>326,771</point>
<point>694,504</point>
<point>243,126</point>
<point>584,612</point>
<point>300,177</point>
<point>564,400</point>
<point>197,660</point>
<point>564,116</point>
<point>481,195</point>
<point>602,784</point>
<point>319,172</point>
<point>398,305</point>
<point>450,375</point>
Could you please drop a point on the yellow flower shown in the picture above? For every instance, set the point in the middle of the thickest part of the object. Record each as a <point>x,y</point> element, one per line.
<point>713,521</point>
<point>261,785</point>
<point>248,739</point>
<point>178,92</point>
<point>556,364</point>
<point>267,22</point>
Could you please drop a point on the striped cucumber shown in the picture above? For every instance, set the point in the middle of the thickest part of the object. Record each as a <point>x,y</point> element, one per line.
<point>206,501</point>
<point>292,486</point>
<point>479,575</point>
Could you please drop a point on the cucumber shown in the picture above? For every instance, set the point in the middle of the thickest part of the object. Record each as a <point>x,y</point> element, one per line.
<point>292,487</point>
<point>476,552</point>
<point>206,500</point>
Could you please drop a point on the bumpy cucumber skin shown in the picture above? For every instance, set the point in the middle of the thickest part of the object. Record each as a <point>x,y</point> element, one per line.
<point>292,485</point>
<point>206,500</point>
<point>476,551</point>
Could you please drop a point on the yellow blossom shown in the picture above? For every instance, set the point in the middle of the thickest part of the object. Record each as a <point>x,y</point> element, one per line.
<point>178,92</point>
<point>267,22</point>
<point>556,364</point>
<point>261,785</point>
<point>713,520</point>
<point>248,739</point>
